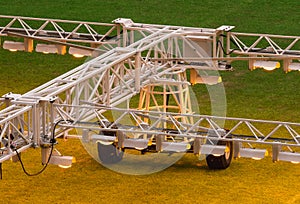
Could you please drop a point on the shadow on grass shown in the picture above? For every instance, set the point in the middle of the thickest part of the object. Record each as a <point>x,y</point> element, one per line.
<point>191,162</point>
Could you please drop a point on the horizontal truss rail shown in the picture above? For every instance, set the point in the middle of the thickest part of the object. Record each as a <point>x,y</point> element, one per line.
<point>62,30</point>
<point>260,131</point>
<point>265,45</point>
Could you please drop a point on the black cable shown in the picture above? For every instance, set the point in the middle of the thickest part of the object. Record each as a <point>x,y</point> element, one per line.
<point>224,51</point>
<point>0,171</point>
<point>52,141</point>
<point>231,40</point>
<point>168,99</point>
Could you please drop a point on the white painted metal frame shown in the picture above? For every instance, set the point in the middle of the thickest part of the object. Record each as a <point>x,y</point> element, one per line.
<point>61,30</point>
<point>141,55</point>
<point>110,79</point>
<point>247,131</point>
<point>279,47</point>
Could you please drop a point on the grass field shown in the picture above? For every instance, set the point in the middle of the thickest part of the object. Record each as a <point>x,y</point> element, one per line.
<point>257,94</point>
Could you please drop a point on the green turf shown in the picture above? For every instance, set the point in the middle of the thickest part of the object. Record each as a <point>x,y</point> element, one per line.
<point>254,94</point>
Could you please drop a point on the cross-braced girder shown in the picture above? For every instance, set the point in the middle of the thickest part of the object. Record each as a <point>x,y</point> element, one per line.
<point>249,132</point>
<point>276,47</point>
<point>61,30</point>
<point>265,44</point>
<point>110,79</point>
<point>130,57</point>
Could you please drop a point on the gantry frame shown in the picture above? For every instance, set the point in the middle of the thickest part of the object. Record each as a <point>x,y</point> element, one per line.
<point>136,56</point>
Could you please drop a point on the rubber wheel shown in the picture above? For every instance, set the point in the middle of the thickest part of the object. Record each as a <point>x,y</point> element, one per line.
<point>222,161</point>
<point>109,154</point>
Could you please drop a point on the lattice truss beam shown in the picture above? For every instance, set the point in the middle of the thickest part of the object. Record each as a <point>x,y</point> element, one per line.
<point>113,77</point>
<point>139,55</point>
<point>276,47</point>
<point>266,44</point>
<point>61,30</point>
<point>246,134</point>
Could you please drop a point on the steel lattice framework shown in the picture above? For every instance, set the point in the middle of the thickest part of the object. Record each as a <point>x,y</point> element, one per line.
<point>129,57</point>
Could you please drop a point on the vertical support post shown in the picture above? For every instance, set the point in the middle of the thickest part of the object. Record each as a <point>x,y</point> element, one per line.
<point>228,43</point>
<point>165,104</point>
<point>156,56</point>
<point>68,100</point>
<point>138,71</point>
<point>193,76</point>
<point>121,139</point>
<point>85,136</point>
<point>107,86</point>
<point>275,152</point>
<point>119,35</point>
<point>28,43</point>
<point>61,49</point>
<point>86,90</point>
<point>7,103</point>
<point>170,49</point>
<point>189,104</point>
<point>76,99</point>
<point>182,101</point>
<point>95,53</point>
<point>36,124</point>
<point>148,97</point>
<point>125,35</point>
<point>221,53</point>
<point>165,98</point>
<point>159,140</point>
<point>21,124</point>
<point>45,152</point>
<point>128,103</point>
<point>236,149</point>
<point>197,145</point>
<point>14,132</point>
<point>141,99</point>
<point>214,51</point>
<point>43,108</point>
<point>131,37</point>
<point>52,115</point>
<point>122,73</point>
<point>286,63</point>
<point>251,63</point>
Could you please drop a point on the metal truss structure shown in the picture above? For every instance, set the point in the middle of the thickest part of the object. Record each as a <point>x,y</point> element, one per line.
<point>142,59</point>
<point>61,30</point>
<point>277,46</point>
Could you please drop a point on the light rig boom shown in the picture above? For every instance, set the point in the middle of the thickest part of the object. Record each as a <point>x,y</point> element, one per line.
<point>130,59</point>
